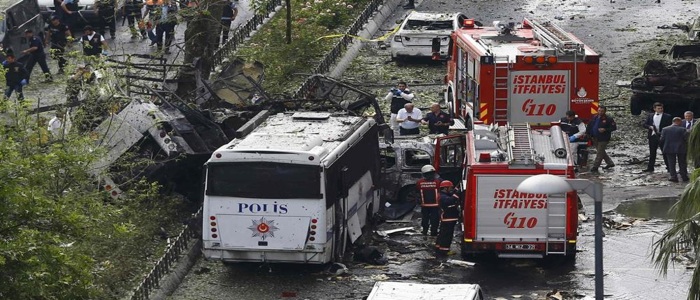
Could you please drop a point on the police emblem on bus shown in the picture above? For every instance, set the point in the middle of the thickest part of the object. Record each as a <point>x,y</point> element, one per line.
<point>263,228</point>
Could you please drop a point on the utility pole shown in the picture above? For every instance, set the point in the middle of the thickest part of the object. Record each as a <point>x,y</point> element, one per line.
<point>289,20</point>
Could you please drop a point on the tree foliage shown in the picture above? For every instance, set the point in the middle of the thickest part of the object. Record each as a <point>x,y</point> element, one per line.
<point>684,234</point>
<point>61,236</point>
<point>286,64</point>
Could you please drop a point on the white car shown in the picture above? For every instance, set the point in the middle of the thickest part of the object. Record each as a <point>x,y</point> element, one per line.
<point>417,31</point>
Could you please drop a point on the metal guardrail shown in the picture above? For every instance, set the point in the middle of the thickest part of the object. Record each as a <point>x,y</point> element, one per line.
<point>172,254</point>
<point>242,32</point>
<point>332,56</point>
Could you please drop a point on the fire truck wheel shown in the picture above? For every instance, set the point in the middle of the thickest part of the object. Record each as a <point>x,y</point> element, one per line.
<point>408,194</point>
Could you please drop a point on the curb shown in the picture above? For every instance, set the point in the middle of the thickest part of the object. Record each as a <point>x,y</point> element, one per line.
<point>370,28</point>
<point>170,283</point>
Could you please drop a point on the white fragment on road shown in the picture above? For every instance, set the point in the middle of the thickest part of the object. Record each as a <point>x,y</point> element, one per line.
<point>460,263</point>
<point>390,231</point>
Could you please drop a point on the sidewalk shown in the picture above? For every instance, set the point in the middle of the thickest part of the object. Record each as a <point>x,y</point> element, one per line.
<point>40,94</point>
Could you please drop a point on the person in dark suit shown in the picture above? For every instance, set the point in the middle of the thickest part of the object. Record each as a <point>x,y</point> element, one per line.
<point>654,123</point>
<point>688,120</point>
<point>674,144</point>
<point>600,129</point>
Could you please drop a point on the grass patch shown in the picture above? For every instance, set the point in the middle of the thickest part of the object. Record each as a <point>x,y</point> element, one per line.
<point>287,65</point>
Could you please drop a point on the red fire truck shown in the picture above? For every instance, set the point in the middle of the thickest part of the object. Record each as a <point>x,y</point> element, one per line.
<point>528,72</point>
<point>497,218</point>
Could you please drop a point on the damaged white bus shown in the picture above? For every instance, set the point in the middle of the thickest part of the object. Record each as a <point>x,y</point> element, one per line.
<point>297,189</point>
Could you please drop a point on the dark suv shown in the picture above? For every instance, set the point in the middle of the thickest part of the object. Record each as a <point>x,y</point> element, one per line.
<point>16,19</point>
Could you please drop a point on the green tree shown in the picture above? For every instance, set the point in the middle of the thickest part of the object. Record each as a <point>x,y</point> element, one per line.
<point>684,234</point>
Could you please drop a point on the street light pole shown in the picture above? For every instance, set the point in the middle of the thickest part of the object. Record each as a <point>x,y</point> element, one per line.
<point>552,184</point>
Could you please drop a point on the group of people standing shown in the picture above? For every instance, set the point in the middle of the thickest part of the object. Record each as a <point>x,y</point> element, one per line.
<point>670,134</point>
<point>162,15</point>
<point>406,118</point>
<point>664,132</point>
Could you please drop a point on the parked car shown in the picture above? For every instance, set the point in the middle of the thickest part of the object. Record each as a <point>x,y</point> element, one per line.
<point>14,21</point>
<point>87,15</point>
<point>415,36</point>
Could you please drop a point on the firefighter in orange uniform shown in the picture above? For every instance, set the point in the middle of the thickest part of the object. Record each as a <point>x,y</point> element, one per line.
<point>449,215</point>
<point>429,189</point>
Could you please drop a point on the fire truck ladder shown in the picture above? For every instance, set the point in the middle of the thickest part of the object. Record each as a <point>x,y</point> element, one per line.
<point>501,80</point>
<point>520,150</point>
<point>556,223</point>
<point>555,37</point>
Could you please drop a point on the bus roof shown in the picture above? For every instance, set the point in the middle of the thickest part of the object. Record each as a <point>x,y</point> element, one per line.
<point>298,132</point>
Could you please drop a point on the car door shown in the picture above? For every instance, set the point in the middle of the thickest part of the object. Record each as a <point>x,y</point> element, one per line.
<point>449,157</point>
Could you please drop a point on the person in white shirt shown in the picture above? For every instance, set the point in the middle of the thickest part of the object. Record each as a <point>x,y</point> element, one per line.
<point>59,125</point>
<point>409,119</point>
<point>399,96</point>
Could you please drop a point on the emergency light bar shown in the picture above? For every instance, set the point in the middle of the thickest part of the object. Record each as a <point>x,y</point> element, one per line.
<point>540,60</point>
<point>468,23</point>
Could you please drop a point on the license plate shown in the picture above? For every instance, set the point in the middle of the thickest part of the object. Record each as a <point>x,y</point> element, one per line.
<point>520,247</point>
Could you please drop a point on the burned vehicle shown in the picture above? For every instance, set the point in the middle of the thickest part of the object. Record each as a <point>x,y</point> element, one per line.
<point>173,136</point>
<point>674,83</point>
<point>402,160</point>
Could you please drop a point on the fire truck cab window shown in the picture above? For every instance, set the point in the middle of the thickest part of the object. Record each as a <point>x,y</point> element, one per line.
<point>417,158</point>
<point>451,156</point>
<point>388,157</point>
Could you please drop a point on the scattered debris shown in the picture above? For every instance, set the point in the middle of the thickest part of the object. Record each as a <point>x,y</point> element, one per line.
<point>385,233</point>
<point>460,263</point>
<point>338,269</point>
<point>370,254</point>
<point>554,295</point>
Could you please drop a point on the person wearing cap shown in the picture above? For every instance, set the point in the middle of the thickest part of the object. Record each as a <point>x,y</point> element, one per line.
<point>36,50</point>
<point>428,187</point>
<point>674,144</point>
<point>57,34</point>
<point>94,43</point>
<point>449,216</point>
<point>16,76</point>
<point>600,130</point>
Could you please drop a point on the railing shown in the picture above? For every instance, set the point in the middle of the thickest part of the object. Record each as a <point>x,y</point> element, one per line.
<point>332,56</point>
<point>242,32</point>
<point>192,231</point>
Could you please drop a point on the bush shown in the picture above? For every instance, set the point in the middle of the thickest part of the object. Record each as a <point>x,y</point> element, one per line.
<point>288,65</point>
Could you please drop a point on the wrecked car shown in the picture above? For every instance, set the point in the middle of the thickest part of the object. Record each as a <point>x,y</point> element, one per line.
<point>672,82</point>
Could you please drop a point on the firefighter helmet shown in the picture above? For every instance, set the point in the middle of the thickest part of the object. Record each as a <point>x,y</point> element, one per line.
<point>427,168</point>
<point>446,183</point>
